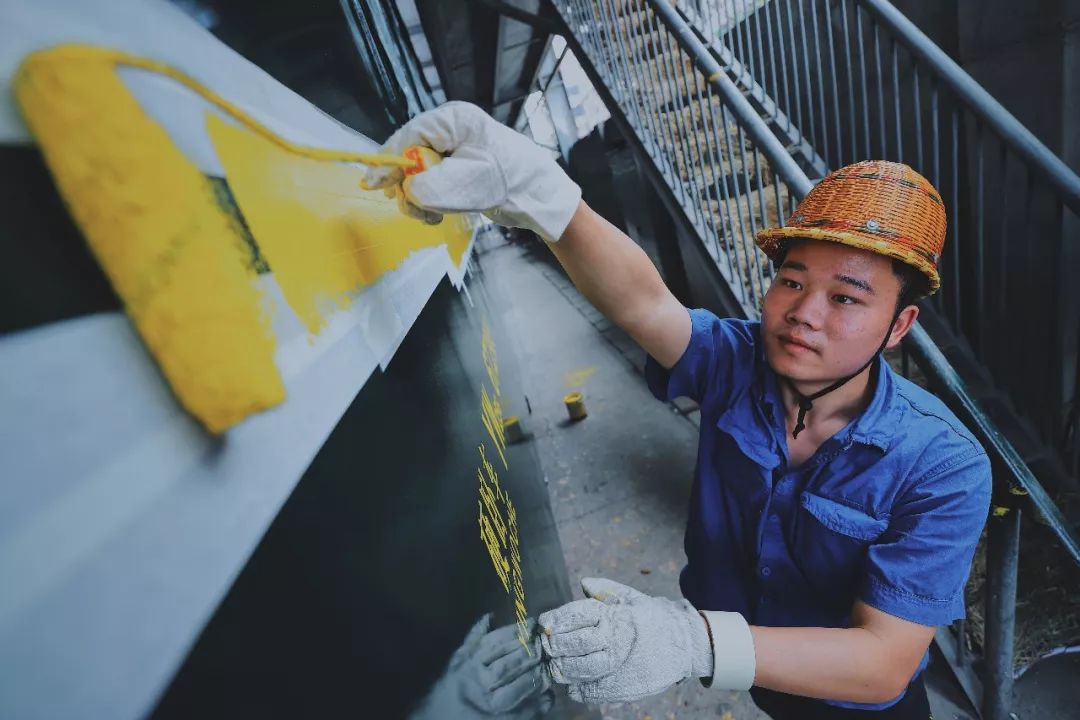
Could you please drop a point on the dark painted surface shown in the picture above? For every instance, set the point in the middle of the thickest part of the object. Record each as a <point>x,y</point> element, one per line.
<point>374,569</point>
<point>48,273</point>
<point>57,276</point>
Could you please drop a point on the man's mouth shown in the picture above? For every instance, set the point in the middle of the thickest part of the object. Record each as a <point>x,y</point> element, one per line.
<point>794,344</point>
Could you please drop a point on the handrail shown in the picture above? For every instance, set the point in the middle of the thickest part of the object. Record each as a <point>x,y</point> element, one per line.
<point>937,365</point>
<point>654,90</point>
<point>754,126</point>
<point>934,363</point>
<point>980,102</point>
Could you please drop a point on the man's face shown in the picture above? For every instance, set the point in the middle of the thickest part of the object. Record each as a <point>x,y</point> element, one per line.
<point>827,311</point>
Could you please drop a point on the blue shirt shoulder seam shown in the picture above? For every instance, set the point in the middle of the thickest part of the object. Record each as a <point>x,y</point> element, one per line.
<point>951,424</point>
<point>951,462</point>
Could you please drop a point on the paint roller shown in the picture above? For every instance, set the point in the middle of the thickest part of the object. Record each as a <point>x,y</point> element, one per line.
<point>233,374</point>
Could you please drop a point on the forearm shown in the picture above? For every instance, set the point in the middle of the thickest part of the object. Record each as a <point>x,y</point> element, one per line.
<point>620,280</point>
<point>849,664</point>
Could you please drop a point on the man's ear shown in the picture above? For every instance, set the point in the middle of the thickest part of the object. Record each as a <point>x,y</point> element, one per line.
<point>904,321</point>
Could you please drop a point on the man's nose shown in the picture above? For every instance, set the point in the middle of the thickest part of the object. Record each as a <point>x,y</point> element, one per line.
<point>808,309</point>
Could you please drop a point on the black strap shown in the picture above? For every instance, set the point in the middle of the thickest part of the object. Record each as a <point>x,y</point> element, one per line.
<point>806,402</point>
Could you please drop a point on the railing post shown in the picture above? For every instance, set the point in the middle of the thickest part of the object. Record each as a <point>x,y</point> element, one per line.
<point>782,162</point>
<point>1002,555</point>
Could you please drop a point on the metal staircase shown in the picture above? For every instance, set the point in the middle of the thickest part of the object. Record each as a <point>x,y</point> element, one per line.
<point>738,107</point>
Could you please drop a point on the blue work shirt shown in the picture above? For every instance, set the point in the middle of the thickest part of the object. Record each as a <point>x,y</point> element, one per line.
<point>888,511</point>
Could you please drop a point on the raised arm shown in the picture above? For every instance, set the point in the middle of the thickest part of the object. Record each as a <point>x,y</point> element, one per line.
<point>492,169</point>
<point>620,280</point>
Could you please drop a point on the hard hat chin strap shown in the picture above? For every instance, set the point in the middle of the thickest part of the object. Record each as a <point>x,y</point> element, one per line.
<point>806,402</point>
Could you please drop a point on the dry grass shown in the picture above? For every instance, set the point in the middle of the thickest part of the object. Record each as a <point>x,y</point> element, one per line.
<point>1048,597</point>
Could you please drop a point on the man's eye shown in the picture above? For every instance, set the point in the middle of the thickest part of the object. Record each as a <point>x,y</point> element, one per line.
<point>845,299</point>
<point>790,283</point>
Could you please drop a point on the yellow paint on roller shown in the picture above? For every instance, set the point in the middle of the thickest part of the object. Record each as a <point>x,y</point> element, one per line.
<point>151,220</point>
<point>174,256</point>
<point>76,52</point>
<point>323,236</point>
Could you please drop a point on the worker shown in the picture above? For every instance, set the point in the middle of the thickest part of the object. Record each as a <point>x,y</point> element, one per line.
<point>836,506</point>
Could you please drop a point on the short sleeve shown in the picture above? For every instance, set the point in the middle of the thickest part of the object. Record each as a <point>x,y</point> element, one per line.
<point>720,352</point>
<point>918,568</point>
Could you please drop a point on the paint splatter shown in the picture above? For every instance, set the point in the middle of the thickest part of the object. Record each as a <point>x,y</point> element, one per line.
<point>576,378</point>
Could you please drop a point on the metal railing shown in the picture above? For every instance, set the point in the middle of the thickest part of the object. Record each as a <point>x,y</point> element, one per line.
<point>698,134</point>
<point>711,132</point>
<point>846,80</point>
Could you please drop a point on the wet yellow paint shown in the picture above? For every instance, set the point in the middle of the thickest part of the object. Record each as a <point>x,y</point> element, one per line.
<point>323,236</point>
<point>498,516</point>
<point>150,218</point>
<point>176,258</point>
<point>77,53</point>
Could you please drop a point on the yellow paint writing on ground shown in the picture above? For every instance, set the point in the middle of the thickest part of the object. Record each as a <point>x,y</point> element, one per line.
<point>322,235</point>
<point>491,413</point>
<point>498,516</point>
<point>492,523</point>
<point>151,220</point>
<point>492,417</point>
<point>490,357</point>
<point>499,533</point>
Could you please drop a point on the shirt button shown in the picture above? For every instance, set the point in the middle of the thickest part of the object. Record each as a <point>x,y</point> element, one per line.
<point>766,571</point>
<point>774,517</point>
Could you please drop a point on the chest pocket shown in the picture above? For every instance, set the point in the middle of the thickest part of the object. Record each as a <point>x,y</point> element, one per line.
<point>830,545</point>
<point>744,450</point>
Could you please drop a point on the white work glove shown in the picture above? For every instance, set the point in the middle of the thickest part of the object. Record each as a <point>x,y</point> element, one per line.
<point>620,645</point>
<point>490,676</point>
<point>488,168</point>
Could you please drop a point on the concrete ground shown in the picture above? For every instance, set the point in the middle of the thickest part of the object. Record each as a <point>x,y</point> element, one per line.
<point>620,479</point>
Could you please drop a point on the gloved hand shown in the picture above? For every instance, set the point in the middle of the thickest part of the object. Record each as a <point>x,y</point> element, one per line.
<point>490,676</point>
<point>620,645</point>
<point>489,168</point>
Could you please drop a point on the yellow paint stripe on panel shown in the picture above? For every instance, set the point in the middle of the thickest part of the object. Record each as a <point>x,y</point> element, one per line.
<point>151,220</point>
<point>76,52</point>
<point>323,237</point>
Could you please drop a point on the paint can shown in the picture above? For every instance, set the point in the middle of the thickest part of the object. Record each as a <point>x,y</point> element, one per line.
<point>512,431</point>
<point>575,406</point>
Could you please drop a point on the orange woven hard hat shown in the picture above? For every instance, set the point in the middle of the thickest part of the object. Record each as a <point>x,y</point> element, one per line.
<point>880,206</point>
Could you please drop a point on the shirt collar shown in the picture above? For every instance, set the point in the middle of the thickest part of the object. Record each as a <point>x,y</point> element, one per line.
<point>872,427</point>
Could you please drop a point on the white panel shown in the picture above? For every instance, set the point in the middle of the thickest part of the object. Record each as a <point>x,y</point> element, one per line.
<point>156,29</point>
<point>122,524</point>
